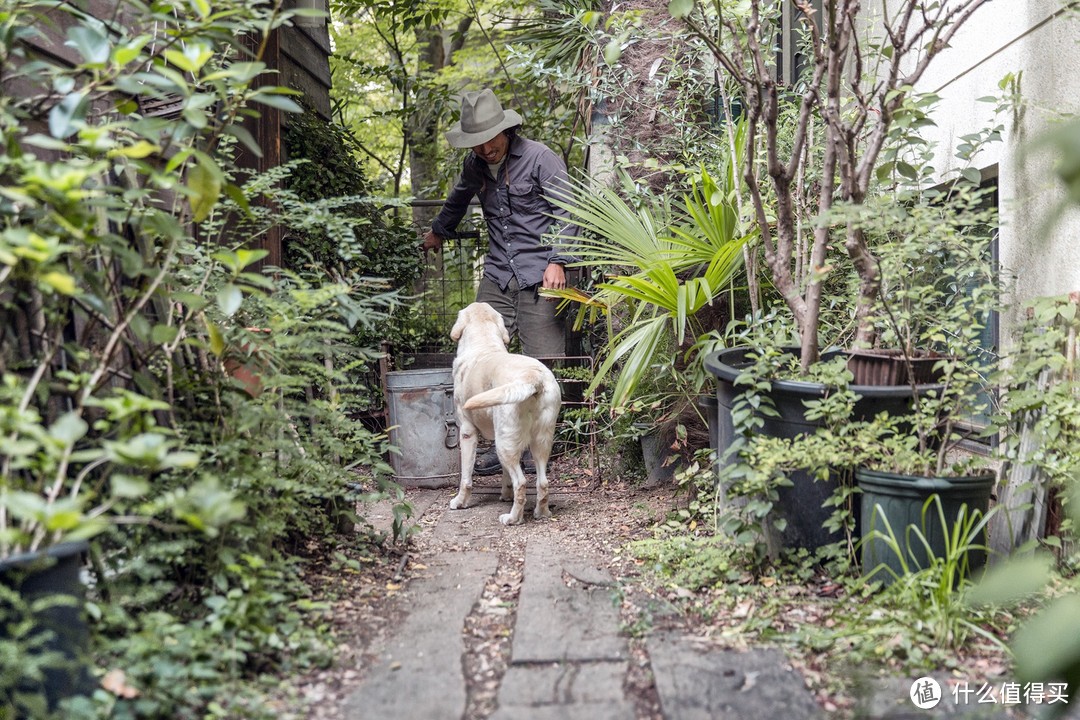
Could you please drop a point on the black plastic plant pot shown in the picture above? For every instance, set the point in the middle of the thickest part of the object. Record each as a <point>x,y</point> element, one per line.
<point>41,614</point>
<point>802,504</point>
<point>898,502</point>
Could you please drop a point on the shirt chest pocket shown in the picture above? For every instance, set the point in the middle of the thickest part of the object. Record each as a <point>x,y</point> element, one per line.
<point>525,197</point>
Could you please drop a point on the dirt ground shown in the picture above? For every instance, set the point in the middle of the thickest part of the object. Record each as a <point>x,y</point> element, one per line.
<point>370,598</point>
<point>599,513</point>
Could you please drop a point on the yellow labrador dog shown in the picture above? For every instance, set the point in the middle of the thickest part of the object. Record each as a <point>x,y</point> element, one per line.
<point>511,399</point>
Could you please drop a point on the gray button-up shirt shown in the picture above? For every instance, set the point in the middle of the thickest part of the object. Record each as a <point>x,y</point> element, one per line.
<point>521,229</point>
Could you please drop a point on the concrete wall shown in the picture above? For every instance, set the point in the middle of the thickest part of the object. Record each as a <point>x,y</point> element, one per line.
<point>1017,36</point>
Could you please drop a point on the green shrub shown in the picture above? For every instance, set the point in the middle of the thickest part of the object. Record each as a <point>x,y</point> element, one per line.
<point>195,417</point>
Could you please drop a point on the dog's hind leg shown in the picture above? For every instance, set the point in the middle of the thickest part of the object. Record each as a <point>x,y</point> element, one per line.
<point>517,510</point>
<point>541,450</point>
<point>507,492</point>
<point>468,440</point>
<point>541,510</point>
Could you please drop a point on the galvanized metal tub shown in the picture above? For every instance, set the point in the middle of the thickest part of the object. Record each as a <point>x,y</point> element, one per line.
<point>423,427</point>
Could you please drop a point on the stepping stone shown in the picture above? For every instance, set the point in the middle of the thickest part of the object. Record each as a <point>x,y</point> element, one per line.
<point>559,623</point>
<point>697,683</point>
<point>419,675</point>
<point>476,526</point>
<point>564,691</point>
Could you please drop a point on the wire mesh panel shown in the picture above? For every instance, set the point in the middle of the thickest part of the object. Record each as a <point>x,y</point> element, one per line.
<point>448,284</point>
<point>577,427</point>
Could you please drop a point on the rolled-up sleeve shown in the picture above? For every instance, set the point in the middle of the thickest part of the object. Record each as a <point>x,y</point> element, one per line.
<point>457,203</point>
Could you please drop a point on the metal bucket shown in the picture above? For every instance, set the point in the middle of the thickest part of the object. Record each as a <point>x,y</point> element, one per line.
<point>420,412</point>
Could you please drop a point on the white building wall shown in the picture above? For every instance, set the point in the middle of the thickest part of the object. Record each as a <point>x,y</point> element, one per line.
<point>1025,38</point>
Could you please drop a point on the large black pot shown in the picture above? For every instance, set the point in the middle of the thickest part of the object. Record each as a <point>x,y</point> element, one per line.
<point>41,615</point>
<point>800,505</point>
<point>900,500</point>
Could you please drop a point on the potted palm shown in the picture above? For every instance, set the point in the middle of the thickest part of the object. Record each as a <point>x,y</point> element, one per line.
<point>663,268</point>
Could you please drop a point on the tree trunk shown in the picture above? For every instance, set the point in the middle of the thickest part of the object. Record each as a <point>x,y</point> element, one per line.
<point>424,119</point>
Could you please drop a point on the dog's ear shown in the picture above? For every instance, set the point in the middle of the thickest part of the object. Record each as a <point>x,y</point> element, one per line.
<point>459,326</point>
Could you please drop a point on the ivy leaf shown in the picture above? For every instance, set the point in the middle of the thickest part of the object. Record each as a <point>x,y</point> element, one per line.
<point>229,299</point>
<point>204,182</point>
<point>66,116</point>
<point>680,8</point>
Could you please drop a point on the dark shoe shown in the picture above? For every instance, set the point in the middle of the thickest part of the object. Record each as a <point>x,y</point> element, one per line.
<point>488,464</point>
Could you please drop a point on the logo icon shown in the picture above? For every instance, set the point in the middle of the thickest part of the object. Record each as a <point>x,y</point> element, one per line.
<point>925,693</point>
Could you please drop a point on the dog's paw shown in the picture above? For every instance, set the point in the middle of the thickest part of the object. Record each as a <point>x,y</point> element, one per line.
<point>541,513</point>
<point>458,502</point>
<point>508,519</point>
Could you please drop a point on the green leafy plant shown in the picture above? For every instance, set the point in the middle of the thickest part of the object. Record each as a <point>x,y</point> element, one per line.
<point>666,266</point>
<point>1039,405</point>
<point>852,119</point>
<point>160,394</point>
<point>913,551</point>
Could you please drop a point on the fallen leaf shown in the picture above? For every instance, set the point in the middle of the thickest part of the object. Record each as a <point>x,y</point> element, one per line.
<point>115,681</point>
<point>749,681</point>
<point>743,609</point>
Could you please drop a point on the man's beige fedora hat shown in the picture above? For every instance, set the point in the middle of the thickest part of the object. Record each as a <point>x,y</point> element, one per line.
<point>482,118</point>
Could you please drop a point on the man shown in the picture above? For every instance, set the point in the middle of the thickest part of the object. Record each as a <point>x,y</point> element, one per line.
<point>514,179</point>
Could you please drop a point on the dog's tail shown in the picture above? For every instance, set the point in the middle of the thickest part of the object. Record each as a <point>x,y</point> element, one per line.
<point>508,394</point>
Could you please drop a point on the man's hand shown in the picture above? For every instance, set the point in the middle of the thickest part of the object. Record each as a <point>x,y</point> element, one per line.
<point>432,241</point>
<point>554,278</point>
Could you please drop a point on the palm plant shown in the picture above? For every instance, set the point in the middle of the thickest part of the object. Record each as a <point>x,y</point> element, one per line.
<point>662,264</point>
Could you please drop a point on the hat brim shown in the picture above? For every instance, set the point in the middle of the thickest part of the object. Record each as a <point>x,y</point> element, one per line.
<point>460,139</point>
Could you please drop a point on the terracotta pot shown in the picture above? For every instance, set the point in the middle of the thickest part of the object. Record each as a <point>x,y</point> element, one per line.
<point>882,367</point>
